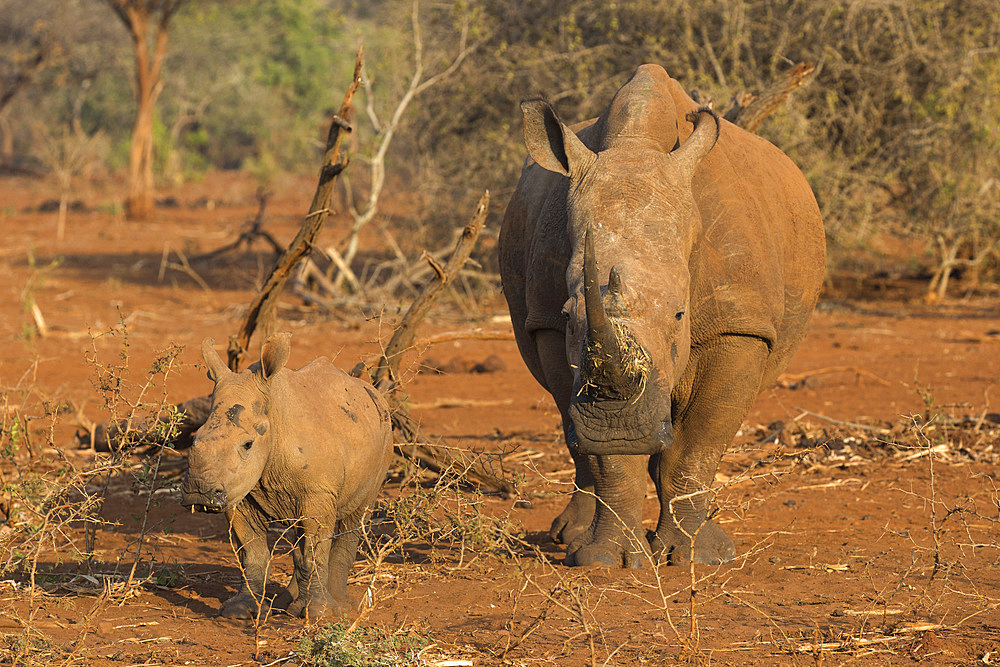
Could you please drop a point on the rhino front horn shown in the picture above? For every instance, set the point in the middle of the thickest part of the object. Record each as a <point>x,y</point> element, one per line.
<point>603,354</point>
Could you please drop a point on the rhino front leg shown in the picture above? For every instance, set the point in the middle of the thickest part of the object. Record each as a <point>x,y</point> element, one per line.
<point>614,538</point>
<point>576,518</point>
<point>557,378</point>
<point>248,533</point>
<point>725,378</point>
<point>311,559</point>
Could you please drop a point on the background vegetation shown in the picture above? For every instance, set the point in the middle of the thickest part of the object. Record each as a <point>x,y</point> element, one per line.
<point>897,132</point>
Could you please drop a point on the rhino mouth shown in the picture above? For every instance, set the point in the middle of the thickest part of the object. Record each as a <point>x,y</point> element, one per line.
<point>208,509</point>
<point>199,502</point>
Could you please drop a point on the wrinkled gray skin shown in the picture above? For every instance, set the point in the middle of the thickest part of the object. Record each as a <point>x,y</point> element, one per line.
<point>660,266</point>
<point>310,447</point>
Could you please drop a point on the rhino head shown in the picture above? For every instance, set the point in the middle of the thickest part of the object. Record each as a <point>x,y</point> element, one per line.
<point>232,447</point>
<point>631,218</point>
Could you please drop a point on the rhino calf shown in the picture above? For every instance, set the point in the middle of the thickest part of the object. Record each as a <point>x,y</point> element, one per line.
<point>310,447</point>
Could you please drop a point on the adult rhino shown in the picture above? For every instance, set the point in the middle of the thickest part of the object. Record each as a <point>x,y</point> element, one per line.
<point>660,266</point>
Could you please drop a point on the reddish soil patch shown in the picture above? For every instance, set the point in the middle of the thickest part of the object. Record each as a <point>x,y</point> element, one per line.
<point>852,549</point>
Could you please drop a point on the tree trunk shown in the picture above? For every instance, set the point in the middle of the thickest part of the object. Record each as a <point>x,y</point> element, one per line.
<point>139,202</point>
<point>137,16</point>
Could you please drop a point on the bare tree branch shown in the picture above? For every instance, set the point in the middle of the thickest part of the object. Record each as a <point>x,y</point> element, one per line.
<point>261,310</point>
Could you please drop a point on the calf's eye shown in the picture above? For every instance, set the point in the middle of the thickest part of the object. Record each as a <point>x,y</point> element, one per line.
<point>679,316</point>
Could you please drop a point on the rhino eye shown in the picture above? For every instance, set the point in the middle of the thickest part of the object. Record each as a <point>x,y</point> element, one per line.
<point>679,316</point>
<point>247,445</point>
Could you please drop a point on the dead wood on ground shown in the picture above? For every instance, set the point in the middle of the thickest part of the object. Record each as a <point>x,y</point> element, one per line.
<point>249,235</point>
<point>748,110</point>
<point>412,443</point>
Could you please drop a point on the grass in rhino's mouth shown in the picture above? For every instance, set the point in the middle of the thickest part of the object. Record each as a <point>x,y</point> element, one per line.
<point>634,361</point>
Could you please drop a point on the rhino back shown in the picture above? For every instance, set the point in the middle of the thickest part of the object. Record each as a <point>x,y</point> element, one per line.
<point>760,258</point>
<point>332,436</point>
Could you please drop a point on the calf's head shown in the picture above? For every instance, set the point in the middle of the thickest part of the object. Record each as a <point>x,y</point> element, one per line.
<point>232,447</point>
<point>632,224</point>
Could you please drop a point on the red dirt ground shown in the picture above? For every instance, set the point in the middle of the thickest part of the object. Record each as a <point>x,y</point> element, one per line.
<point>853,551</point>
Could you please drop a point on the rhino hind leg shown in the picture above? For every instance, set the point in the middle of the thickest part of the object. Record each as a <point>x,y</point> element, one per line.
<point>343,552</point>
<point>286,595</point>
<point>726,379</point>
<point>311,562</point>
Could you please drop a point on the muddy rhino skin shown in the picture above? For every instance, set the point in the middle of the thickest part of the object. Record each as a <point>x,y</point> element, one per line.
<point>660,267</point>
<point>310,447</point>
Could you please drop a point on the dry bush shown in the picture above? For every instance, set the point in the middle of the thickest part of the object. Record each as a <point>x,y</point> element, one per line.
<point>52,501</point>
<point>895,132</point>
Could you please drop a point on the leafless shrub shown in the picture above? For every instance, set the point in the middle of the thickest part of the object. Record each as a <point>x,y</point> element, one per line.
<point>49,497</point>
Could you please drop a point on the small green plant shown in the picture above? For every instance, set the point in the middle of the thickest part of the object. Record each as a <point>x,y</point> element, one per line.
<point>169,575</point>
<point>335,645</point>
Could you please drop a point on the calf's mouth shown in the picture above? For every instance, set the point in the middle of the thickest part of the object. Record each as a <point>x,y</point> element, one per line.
<point>199,501</point>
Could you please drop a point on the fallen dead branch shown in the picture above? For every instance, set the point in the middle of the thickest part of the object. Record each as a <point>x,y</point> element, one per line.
<point>864,427</point>
<point>749,110</point>
<point>450,336</point>
<point>386,376</point>
<point>386,372</point>
<point>254,231</point>
<point>897,634</point>
<point>460,403</point>
<point>792,380</point>
<point>412,443</point>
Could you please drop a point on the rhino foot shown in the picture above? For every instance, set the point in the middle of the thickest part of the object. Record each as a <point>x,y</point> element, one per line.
<point>608,553</point>
<point>574,520</point>
<point>241,605</point>
<point>711,546</point>
<point>282,600</point>
<point>319,606</point>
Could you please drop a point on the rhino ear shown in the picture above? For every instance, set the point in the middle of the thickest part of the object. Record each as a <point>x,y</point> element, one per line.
<point>550,143</point>
<point>701,141</point>
<point>216,367</point>
<point>274,353</point>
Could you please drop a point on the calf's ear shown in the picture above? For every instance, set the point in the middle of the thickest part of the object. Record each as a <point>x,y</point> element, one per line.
<point>550,143</point>
<point>274,353</point>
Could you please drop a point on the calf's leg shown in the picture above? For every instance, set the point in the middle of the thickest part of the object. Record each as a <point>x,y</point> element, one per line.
<point>343,551</point>
<point>311,559</point>
<point>248,532</point>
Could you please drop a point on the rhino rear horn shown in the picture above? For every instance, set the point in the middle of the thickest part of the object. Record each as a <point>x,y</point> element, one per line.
<point>216,367</point>
<point>274,353</point>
